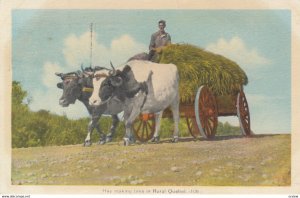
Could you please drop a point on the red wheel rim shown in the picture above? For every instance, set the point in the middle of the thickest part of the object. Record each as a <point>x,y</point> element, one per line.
<point>206,110</point>
<point>243,114</point>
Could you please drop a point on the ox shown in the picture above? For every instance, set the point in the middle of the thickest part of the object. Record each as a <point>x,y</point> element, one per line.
<point>79,86</point>
<point>141,87</point>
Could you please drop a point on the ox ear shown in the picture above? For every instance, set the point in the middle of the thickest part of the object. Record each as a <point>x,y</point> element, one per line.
<point>126,69</point>
<point>60,85</point>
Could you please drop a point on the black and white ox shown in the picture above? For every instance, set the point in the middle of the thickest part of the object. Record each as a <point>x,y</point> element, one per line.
<point>79,86</point>
<point>141,87</point>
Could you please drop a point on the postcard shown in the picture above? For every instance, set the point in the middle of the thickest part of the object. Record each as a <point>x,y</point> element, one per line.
<point>149,97</point>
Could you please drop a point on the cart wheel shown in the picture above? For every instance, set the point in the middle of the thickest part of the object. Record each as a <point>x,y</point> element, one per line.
<point>192,126</point>
<point>144,127</point>
<point>243,113</point>
<point>206,112</point>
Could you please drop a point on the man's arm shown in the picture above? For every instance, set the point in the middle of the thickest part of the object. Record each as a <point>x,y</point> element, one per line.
<point>169,39</point>
<point>152,42</point>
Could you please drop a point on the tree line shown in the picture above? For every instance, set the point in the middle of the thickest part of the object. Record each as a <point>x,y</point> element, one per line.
<point>42,128</point>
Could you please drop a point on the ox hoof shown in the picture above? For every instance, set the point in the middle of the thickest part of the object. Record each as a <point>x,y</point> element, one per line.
<point>155,139</point>
<point>108,139</point>
<point>127,141</point>
<point>87,143</point>
<point>174,140</point>
<point>101,142</point>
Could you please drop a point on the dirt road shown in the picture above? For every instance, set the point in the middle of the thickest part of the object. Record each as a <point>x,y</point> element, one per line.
<point>259,161</point>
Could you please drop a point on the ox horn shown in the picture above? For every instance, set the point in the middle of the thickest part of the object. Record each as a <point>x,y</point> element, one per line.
<point>59,74</point>
<point>85,72</point>
<point>112,66</point>
<point>113,71</point>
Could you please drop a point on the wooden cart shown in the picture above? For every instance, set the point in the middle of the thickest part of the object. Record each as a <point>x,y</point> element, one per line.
<point>201,115</point>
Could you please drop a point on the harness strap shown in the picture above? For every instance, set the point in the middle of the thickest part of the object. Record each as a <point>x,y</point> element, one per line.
<point>100,76</point>
<point>87,89</point>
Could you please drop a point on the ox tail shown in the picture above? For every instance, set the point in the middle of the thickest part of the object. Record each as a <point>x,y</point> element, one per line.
<point>149,82</point>
<point>150,76</point>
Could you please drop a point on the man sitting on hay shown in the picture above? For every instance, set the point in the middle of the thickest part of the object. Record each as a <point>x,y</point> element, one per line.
<point>159,39</point>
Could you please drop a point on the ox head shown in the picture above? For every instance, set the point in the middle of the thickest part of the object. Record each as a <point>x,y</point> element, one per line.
<point>110,86</point>
<point>98,78</point>
<point>76,85</point>
<point>71,85</point>
<point>119,84</point>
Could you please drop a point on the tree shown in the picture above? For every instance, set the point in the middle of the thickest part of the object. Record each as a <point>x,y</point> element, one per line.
<point>19,113</point>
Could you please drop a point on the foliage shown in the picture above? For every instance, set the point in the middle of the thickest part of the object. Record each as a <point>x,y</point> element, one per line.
<point>225,129</point>
<point>199,67</point>
<point>41,128</point>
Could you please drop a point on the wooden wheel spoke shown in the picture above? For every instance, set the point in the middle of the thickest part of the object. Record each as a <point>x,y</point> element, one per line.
<point>139,127</point>
<point>243,113</point>
<point>149,125</point>
<point>212,123</point>
<point>146,129</point>
<point>201,103</point>
<point>193,129</point>
<point>143,131</point>
<point>208,130</point>
<point>210,126</point>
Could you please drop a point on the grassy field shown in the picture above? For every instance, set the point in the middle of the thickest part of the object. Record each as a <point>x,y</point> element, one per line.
<point>262,160</point>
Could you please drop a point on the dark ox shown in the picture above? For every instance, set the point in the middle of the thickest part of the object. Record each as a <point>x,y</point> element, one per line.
<point>79,86</point>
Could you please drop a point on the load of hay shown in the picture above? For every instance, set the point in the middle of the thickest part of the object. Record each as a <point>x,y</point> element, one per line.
<point>199,67</point>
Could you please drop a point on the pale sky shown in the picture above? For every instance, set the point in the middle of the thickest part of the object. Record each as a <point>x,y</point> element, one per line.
<point>49,41</point>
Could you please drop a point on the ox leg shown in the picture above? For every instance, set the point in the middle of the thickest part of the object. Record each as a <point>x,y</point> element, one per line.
<point>158,117</point>
<point>176,117</point>
<point>87,141</point>
<point>115,122</point>
<point>92,125</point>
<point>127,112</point>
<point>102,139</point>
<point>129,139</point>
<point>131,111</point>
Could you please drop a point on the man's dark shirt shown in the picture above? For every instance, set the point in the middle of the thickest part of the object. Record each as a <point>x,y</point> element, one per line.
<point>159,39</point>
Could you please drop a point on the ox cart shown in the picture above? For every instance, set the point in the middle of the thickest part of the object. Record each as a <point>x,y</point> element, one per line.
<point>205,102</point>
<point>201,115</point>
